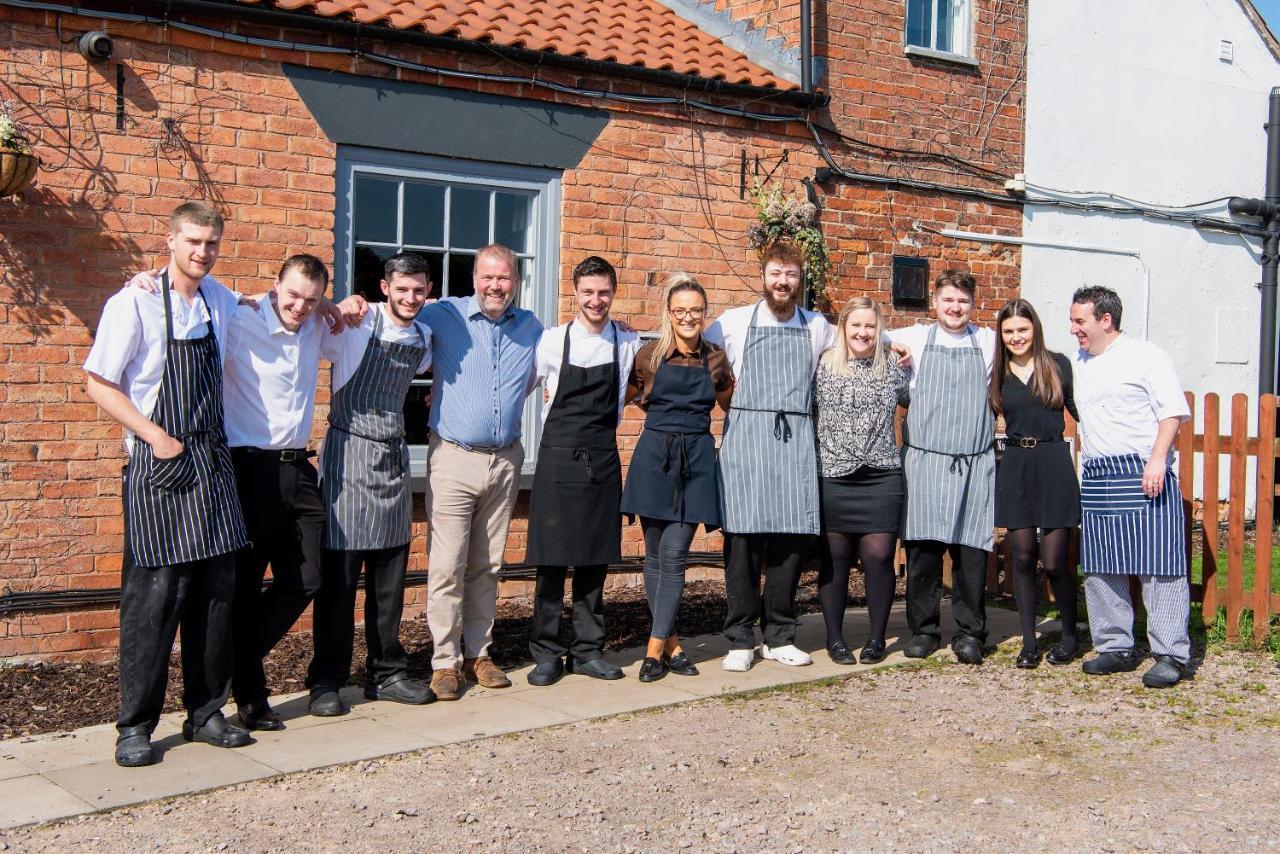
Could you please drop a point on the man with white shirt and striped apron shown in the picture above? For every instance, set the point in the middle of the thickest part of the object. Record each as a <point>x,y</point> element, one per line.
<point>1131,406</point>
<point>160,354</point>
<point>367,498</point>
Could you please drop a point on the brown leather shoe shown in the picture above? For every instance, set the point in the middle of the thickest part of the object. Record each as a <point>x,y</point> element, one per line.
<point>484,672</point>
<point>447,683</point>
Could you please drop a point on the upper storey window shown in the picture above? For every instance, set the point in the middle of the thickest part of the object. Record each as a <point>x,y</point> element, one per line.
<point>938,27</point>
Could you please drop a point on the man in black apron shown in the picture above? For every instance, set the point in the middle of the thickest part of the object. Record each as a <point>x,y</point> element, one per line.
<point>365,487</point>
<point>577,487</point>
<point>159,354</point>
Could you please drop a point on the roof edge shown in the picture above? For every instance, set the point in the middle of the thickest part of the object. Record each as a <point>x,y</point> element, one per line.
<point>1260,24</point>
<point>771,54</point>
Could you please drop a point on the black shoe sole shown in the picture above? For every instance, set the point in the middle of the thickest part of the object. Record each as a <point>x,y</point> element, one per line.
<point>386,698</point>
<point>189,733</point>
<point>653,677</point>
<point>257,725</point>
<point>141,762</point>
<point>544,681</point>
<point>912,652</point>
<point>1028,665</point>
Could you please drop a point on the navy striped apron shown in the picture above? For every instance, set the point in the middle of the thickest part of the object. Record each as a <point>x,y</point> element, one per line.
<point>185,508</point>
<point>769,455</point>
<point>365,471</point>
<point>1123,532</point>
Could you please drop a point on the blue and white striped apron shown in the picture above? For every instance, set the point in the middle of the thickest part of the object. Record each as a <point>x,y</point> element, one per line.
<point>1123,532</point>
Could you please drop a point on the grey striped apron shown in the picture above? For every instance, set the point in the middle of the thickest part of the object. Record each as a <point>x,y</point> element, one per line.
<point>950,461</point>
<point>185,508</point>
<point>769,458</point>
<point>1122,531</point>
<point>365,472</point>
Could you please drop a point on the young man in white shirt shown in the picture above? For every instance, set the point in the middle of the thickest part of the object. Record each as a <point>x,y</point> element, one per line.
<point>1131,406</point>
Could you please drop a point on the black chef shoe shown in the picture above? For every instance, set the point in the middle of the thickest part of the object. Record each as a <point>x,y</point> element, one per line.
<point>651,670</point>
<point>679,664</point>
<point>1166,673</point>
<point>259,716</point>
<point>596,668</point>
<point>921,646</point>
<point>1029,657</point>
<point>967,648</point>
<point>327,703</point>
<point>840,653</point>
<point>1061,654</point>
<point>400,689</point>
<point>133,747</point>
<point>216,731</point>
<point>1111,662</point>
<point>872,652</point>
<point>547,673</point>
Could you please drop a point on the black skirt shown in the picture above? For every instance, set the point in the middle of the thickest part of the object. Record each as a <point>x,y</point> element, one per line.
<point>1037,487</point>
<point>867,501</point>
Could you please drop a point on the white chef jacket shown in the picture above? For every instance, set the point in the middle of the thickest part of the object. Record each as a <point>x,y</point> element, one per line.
<point>346,351</point>
<point>1122,395</point>
<point>587,349</point>
<point>730,331</point>
<point>915,337</point>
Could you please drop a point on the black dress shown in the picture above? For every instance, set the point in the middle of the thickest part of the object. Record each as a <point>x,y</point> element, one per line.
<point>1036,483</point>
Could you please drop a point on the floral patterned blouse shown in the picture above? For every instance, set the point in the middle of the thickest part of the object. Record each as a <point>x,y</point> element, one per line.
<point>855,416</point>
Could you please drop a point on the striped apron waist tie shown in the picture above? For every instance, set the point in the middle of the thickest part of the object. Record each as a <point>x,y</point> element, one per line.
<point>781,427</point>
<point>360,435</point>
<point>959,461</point>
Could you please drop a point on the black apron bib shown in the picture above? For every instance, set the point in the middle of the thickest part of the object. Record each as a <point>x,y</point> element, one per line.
<point>577,485</point>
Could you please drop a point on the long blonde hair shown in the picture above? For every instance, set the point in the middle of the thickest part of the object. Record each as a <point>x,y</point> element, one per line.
<point>836,358</point>
<point>675,283</point>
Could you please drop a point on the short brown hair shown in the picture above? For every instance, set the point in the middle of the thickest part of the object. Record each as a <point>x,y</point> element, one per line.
<point>308,265</point>
<point>196,213</point>
<point>782,252</point>
<point>957,279</point>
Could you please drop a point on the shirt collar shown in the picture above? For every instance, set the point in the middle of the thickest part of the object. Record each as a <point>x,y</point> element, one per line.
<point>674,348</point>
<point>473,308</point>
<point>272,319</point>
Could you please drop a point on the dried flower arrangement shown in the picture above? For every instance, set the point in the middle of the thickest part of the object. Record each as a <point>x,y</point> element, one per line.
<point>783,217</point>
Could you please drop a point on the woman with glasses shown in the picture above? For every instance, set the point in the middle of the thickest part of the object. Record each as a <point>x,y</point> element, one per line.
<point>672,482</point>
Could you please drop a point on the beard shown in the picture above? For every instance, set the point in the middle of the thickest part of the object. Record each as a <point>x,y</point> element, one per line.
<point>780,305</point>
<point>399,314</point>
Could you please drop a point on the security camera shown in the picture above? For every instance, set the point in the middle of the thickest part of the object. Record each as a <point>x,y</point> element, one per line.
<point>95,46</point>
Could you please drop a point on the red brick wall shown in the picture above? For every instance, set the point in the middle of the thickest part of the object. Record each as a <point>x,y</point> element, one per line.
<point>659,191</point>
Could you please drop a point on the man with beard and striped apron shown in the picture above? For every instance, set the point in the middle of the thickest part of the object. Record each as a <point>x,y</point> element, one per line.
<point>949,466</point>
<point>159,354</point>
<point>366,493</point>
<point>1131,406</point>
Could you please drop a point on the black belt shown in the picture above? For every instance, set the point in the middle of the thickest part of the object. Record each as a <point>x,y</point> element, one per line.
<point>288,455</point>
<point>1028,441</point>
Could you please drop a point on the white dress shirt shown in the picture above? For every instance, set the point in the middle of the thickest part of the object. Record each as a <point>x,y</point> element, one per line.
<point>1122,395</point>
<point>129,346</point>
<point>269,379</point>
<point>587,349</point>
<point>730,331</point>
<point>915,338</point>
<point>346,351</point>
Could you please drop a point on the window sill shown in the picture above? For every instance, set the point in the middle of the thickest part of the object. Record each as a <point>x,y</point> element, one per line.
<point>940,55</point>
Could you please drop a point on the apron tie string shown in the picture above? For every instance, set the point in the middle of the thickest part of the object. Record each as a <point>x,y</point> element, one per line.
<point>584,454</point>
<point>677,490</point>
<point>781,428</point>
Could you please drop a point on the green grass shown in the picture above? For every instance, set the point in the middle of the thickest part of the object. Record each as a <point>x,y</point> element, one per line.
<point>1250,567</point>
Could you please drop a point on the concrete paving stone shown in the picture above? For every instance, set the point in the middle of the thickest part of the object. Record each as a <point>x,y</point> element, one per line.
<point>346,739</point>
<point>584,697</point>
<point>55,751</point>
<point>474,716</point>
<point>33,799</point>
<point>11,766</point>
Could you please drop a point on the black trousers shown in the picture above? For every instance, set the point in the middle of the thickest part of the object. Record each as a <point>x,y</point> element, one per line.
<point>285,520</point>
<point>778,557</point>
<point>588,613</point>
<point>924,588</point>
<point>333,631</point>
<point>154,602</point>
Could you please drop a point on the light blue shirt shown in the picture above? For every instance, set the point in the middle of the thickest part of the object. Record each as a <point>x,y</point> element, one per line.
<point>484,370</point>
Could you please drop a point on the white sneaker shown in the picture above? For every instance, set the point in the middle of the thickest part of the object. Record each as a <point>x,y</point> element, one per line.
<point>739,660</point>
<point>788,654</point>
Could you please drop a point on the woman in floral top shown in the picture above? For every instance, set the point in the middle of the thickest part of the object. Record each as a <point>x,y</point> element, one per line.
<point>857,389</point>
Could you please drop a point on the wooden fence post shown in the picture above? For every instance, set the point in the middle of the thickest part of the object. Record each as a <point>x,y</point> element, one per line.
<point>1265,517</point>
<point>1209,512</point>
<point>1235,516</point>
<point>1186,482</point>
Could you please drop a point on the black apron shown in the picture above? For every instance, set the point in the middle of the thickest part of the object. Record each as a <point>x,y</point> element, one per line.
<point>673,475</point>
<point>577,485</point>
<point>186,508</point>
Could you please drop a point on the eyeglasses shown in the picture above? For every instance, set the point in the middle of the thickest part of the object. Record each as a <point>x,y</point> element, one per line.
<point>688,313</point>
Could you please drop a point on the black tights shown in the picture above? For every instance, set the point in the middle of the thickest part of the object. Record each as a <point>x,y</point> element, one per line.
<point>1051,551</point>
<point>875,553</point>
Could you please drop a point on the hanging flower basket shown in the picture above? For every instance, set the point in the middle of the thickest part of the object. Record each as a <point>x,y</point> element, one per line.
<point>782,217</point>
<point>17,171</point>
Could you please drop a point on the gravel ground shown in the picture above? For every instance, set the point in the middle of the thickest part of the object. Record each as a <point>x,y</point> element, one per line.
<point>923,757</point>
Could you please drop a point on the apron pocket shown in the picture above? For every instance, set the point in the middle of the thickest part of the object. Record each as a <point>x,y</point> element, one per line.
<point>571,471</point>
<point>175,474</point>
<point>1114,496</point>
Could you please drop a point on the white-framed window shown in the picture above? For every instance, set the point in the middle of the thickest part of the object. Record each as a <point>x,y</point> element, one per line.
<point>938,27</point>
<point>446,209</point>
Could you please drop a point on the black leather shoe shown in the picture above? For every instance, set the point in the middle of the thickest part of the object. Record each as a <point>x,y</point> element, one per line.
<point>133,748</point>
<point>596,668</point>
<point>259,716</point>
<point>651,670</point>
<point>872,652</point>
<point>1166,673</point>
<point>546,673</point>
<point>401,689</point>
<point>840,653</point>
<point>327,703</point>
<point>216,731</point>
<point>921,646</point>
<point>1061,655</point>
<point>1111,662</point>
<point>968,649</point>
<point>680,665</point>
<point>1029,658</point>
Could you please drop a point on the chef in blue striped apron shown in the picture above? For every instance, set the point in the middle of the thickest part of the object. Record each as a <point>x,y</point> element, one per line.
<point>365,487</point>
<point>949,465</point>
<point>1131,406</point>
<point>158,354</point>
<point>768,458</point>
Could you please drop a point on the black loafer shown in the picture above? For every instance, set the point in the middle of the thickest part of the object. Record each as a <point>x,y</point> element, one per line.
<point>216,731</point>
<point>921,646</point>
<point>1029,658</point>
<point>401,689</point>
<point>968,649</point>
<point>596,668</point>
<point>133,748</point>
<point>259,716</point>
<point>872,652</point>
<point>680,665</point>
<point>1107,663</point>
<point>327,703</point>
<point>546,673</point>
<point>651,670</point>
<point>1166,673</point>
<point>1061,655</point>
<point>840,653</point>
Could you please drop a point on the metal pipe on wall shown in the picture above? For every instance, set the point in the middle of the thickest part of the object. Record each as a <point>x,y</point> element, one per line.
<point>1270,253</point>
<point>806,46</point>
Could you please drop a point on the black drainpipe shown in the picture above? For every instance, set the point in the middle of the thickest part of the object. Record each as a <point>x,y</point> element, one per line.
<point>806,46</point>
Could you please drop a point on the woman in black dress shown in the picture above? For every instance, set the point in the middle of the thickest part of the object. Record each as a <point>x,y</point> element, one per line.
<point>857,389</point>
<point>1036,485</point>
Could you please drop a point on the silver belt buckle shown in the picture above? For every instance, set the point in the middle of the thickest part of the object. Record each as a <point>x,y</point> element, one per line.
<point>1028,442</point>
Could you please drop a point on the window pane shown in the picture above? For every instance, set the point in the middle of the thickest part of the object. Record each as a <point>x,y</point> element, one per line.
<point>511,221</point>
<point>919,22</point>
<point>944,24</point>
<point>375,210</point>
<point>366,274</point>
<point>436,260</point>
<point>468,218</point>
<point>423,214</point>
<point>460,267</point>
<point>416,412</point>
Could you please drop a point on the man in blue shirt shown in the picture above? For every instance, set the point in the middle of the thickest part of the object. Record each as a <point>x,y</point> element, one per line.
<point>484,348</point>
